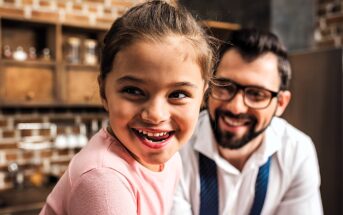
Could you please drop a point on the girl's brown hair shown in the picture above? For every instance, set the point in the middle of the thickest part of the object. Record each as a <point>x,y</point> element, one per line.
<point>154,20</point>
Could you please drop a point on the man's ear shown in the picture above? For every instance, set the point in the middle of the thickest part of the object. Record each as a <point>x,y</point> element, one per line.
<point>283,100</point>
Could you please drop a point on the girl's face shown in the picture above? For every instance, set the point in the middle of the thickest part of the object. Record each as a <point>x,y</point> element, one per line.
<point>153,96</point>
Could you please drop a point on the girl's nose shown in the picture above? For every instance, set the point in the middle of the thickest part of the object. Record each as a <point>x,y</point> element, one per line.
<point>155,111</point>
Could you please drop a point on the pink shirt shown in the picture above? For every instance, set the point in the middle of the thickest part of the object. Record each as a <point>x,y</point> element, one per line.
<point>104,179</point>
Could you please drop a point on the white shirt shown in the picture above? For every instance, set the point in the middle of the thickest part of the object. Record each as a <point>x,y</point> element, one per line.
<point>294,178</point>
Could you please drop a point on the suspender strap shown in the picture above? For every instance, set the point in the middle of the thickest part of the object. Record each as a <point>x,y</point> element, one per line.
<point>261,188</point>
<point>209,186</point>
<point>209,200</point>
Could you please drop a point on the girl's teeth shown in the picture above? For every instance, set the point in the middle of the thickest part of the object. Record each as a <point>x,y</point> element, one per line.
<point>149,134</point>
<point>155,141</point>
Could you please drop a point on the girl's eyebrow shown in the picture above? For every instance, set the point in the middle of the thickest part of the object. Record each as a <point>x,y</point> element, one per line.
<point>130,78</point>
<point>138,80</point>
<point>186,84</point>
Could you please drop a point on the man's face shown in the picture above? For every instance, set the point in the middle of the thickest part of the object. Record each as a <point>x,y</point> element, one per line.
<point>233,122</point>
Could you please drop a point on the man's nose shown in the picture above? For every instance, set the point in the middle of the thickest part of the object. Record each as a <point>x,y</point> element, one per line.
<point>236,105</point>
<point>155,111</point>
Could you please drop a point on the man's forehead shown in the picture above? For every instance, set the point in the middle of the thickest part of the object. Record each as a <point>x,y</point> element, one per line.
<point>262,71</point>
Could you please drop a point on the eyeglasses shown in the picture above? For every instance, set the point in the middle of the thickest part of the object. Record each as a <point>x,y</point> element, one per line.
<point>253,97</point>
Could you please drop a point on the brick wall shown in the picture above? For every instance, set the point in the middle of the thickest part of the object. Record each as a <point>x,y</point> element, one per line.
<point>36,142</point>
<point>79,12</point>
<point>39,142</point>
<point>43,140</point>
<point>329,28</point>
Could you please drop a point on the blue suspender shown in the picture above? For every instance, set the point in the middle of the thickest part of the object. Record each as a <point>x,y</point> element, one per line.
<point>209,204</point>
<point>209,186</point>
<point>261,186</point>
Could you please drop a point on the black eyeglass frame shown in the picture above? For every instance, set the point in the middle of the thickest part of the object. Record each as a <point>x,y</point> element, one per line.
<point>227,82</point>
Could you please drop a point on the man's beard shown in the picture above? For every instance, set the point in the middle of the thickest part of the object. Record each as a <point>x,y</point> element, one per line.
<point>227,139</point>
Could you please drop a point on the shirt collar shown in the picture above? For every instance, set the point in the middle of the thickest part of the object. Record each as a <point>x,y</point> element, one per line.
<point>270,145</point>
<point>205,143</point>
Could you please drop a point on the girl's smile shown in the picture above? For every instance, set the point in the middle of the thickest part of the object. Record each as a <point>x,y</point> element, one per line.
<point>153,138</point>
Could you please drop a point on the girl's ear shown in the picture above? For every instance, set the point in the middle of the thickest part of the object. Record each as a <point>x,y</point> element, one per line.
<point>284,98</point>
<point>102,93</point>
<point>104,103</point>
<point>205,86</point>
<point>205,98</point>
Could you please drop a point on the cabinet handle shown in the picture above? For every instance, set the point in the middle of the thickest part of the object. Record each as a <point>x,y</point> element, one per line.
<point>87,98</point>
<point>30,96</point>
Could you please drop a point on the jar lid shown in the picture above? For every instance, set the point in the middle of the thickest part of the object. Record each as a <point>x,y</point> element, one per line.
<point>90,43</point>
<point>74,41</point>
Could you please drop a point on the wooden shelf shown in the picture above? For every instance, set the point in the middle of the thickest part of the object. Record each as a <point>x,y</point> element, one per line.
<point>20,17</point>
<point>28,104</point>
<point>221,25</point>
<point>219,30</point>
<point>56,83</point>
<point>82,66</point>
<point>52,105</point>
<point>28,63</point>
<point>86,25</point>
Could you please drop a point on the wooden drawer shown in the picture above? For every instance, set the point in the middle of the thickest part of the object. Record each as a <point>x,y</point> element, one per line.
<point>82,86</point>
<point>27,85</point>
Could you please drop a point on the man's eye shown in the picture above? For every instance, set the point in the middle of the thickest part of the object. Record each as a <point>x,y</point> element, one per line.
<point>256,94</point>
<point>231,89</point>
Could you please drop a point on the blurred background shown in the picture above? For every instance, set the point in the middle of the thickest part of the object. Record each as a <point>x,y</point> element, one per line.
<point>49,103</point>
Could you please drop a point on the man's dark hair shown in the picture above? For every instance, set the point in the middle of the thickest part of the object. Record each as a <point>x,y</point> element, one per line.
<point>251,44</point>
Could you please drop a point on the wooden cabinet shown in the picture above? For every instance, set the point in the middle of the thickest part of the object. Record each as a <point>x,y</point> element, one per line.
<point>80,76</point>
<point>29,81</point>
<point>47,76</point>
<point>58,71</point>
<point>220,30</point>
<point>317,109</point>
<point>81,86</point>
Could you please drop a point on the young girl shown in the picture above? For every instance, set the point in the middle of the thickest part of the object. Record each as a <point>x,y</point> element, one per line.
<point>154,69</point>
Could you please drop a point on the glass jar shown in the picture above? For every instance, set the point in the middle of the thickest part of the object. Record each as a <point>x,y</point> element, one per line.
<point>32,53</point>
<point>73,50</point>
<point>90,57</point>
<point>46,54</point>
<point>7,52</point>
<point>19,54</point>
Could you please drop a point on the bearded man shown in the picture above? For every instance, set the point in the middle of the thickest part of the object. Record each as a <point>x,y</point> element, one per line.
<point>243,158</point>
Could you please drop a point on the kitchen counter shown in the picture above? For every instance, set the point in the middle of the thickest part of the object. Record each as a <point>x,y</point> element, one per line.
<point>23,201</point>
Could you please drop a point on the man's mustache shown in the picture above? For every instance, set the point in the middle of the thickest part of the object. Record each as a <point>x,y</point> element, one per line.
<point>220,112</point>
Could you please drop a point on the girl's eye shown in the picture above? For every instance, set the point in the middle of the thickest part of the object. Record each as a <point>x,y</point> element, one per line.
<point>133,91</point>
<point>178,95</point>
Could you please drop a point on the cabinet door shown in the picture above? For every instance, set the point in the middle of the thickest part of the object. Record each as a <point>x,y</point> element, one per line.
<point>29,79</point>
<point>26,85</point>
<point>82,86</point>
<point>317,109</point>
<point>80,73</point>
